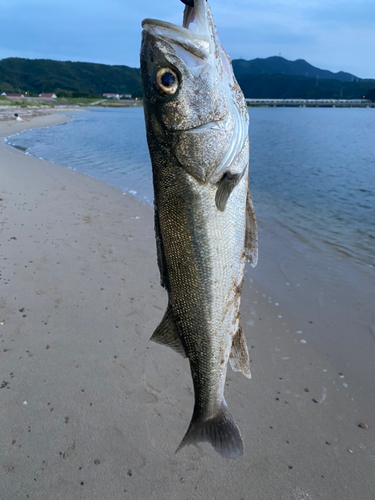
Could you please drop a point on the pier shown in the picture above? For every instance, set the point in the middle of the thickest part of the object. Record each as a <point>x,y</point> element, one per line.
<point>314,103</point>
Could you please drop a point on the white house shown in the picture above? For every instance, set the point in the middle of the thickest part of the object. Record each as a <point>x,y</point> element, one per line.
<point>112,96</point>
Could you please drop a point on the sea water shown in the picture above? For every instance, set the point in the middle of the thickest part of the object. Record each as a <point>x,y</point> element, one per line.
<point>311,169</point>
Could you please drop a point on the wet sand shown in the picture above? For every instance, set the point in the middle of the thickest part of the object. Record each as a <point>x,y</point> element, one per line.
<point>90,409</point>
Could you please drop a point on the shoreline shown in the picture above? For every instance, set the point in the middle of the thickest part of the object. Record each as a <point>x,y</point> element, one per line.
<point>326,231</point>
<point>29,115</point>
<point>78,258</point>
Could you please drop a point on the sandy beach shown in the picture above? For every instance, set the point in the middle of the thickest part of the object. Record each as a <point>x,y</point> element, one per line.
<point>91,410</point>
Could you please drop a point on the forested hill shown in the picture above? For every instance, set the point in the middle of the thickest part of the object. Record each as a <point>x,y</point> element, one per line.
<point>273,77</point>
<point>43,75</point>
<point>302,87</point>
<point>279,66</point>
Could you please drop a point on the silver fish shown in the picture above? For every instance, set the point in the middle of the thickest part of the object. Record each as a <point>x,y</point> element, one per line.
<point>197,132</point>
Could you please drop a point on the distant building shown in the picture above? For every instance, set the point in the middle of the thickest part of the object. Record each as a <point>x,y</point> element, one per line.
<point>126,96</point>
<point>11,94</point>
<point>48,96</point>
<point>112,96</point>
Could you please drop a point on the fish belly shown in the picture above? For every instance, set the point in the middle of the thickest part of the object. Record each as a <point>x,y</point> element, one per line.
<point>204,259</point>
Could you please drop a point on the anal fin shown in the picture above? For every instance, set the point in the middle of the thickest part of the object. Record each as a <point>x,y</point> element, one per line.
<point>239,355</point>
<point>166,333</point>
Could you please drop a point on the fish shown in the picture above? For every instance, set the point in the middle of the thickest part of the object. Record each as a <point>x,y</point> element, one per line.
<point>197,125</point>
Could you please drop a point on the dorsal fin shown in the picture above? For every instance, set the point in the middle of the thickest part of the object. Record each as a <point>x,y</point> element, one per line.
<point>160,252</point>
<point>251,234</point>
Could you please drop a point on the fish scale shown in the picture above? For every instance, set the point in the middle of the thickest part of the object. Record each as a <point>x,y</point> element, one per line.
<point>203,213</point>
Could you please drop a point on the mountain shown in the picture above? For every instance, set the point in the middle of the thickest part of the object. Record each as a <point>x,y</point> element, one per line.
<point>302,87</point>
<point>273,77</point>
<point>44,75</point>
<point>279,66</point>
<point>278,78</point>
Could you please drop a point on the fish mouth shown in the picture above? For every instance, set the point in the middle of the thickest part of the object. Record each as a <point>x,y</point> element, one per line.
<point>193,36</point>
<point>215,125</point>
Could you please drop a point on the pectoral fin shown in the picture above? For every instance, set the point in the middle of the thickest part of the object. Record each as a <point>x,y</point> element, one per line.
<point>251,234</point>
<point>239,355</point>
<point>226,185</point>
<point>166,333</point>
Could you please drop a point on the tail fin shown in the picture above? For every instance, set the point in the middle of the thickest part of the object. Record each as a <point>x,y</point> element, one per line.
<point>220,431</point>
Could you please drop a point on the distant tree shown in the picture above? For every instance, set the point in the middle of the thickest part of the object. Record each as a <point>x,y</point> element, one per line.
<point>63,93</point>
<point>80,94</point>
<point>5,87</point>
<point>138,93</point>
<point>370,94</point>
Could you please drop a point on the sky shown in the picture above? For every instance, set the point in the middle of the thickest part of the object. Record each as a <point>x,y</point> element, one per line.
<point>338,35</point>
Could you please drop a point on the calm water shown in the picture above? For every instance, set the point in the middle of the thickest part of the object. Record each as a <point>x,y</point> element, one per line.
<point>312,169</point>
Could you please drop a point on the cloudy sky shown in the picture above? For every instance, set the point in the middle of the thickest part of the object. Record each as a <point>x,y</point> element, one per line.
<point>330,34</point>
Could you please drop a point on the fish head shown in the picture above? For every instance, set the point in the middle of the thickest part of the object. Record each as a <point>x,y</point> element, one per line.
<point>192,102</point>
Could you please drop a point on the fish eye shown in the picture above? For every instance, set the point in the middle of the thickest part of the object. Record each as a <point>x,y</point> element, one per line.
<point>167,81</point>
